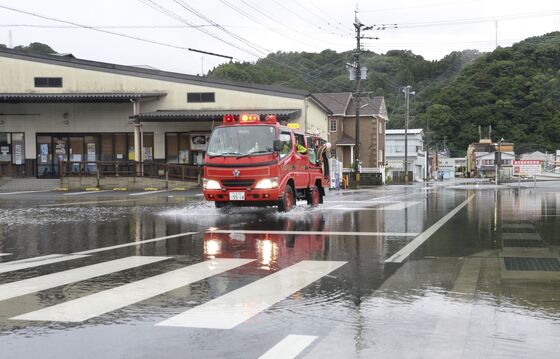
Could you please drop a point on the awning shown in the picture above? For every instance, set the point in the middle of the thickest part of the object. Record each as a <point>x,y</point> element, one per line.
<point>346,141</point>
<point>209,115</point>
<point>110,97</point>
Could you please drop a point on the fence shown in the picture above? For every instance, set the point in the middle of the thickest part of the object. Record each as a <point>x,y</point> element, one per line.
<point>167,171</point>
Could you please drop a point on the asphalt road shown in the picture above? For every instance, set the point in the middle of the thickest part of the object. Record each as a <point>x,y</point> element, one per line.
<point>401,271</point>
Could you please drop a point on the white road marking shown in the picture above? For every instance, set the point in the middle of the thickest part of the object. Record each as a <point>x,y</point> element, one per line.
<point>23,192</point>
<point>89,202</point>
<point>135,243</point>
<point>371,234</point>
<point>37,261</point>
<point>85,192</point>
<point>5,254</point>
<point>357,202</point>
<point>289,347</point>
<point>36,284</point>
<point>235,307</point>
<point>94,305</point>
<point>148,192</point>
<point>407,250</point>
<point>399,206</point>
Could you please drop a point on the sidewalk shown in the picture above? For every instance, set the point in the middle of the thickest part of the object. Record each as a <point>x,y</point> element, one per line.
<point>28,184</point>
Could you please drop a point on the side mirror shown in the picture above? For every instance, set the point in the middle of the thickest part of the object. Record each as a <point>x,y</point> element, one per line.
<point>277,145</point>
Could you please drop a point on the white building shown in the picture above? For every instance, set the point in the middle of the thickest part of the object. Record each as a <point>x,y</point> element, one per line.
<point>395,147</point>
<point>59,108</point>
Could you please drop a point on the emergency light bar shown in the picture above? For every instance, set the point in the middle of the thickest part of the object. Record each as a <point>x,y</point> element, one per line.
<point>249,118</point>
<point>293,126</point>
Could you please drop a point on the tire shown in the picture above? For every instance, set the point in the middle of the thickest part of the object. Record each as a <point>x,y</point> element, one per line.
<point>221,205</point>
<point>314,197</point>
<point>288,200</point>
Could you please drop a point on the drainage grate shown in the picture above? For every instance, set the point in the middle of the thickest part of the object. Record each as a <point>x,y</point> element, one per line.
<point>523,243</point>
<point>532,264</point>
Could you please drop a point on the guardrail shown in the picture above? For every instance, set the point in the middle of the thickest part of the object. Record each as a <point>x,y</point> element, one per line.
<point>167,171</point>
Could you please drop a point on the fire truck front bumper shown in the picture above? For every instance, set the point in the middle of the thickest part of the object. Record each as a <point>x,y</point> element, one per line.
<point>243,196</point>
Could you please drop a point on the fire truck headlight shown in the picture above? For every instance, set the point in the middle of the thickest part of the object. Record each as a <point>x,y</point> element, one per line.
<point>267,183</point>
<point>210,184</point>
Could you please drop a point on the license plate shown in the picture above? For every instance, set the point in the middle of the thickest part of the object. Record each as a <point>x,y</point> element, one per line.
<point>237,196</point>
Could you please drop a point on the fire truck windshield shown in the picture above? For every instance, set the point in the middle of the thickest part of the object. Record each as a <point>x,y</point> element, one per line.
<point>241,140</point>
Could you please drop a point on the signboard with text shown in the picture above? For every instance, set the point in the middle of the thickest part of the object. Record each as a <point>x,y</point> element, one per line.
<point>528,168</point>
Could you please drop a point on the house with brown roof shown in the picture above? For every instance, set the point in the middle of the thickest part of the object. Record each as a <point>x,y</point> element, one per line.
<point>342,128</point>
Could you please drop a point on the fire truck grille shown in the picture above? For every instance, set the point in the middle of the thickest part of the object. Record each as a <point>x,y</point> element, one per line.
<point>238,183</point>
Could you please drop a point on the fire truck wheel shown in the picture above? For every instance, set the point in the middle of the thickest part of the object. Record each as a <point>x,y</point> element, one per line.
<point>220,205</point>
<point>314,197</point>
<point>287,201</point>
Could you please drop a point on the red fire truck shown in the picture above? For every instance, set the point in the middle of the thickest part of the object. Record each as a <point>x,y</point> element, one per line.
<point>252,160</point>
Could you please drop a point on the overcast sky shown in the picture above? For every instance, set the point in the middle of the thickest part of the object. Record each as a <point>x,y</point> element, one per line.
<point>248,29</point>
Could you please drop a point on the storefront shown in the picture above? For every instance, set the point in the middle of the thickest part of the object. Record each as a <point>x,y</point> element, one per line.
<point>12,154</point>
<point>185,148</point>
<point>52,149</point>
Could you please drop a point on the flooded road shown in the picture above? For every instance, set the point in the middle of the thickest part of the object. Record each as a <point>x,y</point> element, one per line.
<point>407,271</point>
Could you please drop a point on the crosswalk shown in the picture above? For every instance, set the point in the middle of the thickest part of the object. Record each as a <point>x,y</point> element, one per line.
<point>224,312</point>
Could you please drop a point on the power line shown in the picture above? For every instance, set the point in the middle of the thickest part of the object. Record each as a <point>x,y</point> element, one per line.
<point>342,32</point>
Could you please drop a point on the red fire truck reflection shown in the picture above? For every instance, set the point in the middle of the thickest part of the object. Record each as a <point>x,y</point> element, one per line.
<point>271,250</point>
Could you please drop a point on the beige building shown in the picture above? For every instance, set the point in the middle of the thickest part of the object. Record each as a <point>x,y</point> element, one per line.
<point>59,108</point>
<point>342,128</point>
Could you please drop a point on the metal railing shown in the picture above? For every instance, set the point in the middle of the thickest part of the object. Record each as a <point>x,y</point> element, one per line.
<point>167,171</point>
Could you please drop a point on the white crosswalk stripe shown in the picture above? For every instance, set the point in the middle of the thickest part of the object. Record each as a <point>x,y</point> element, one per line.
<point>36,284</point>
<point>289,347</point>
<point>234,308</point>
<point>103,302</point>
<point>37,261</point>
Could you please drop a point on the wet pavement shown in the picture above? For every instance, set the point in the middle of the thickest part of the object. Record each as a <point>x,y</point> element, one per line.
<point>403,271</point>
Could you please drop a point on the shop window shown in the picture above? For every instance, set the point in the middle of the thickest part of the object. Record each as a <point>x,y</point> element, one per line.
<point>201,97</point>
<point>148,147</point>
<point>171,148</point>
<point>184,155</point>
<point>121,147</point>
<point>48,81</point>
<point>5,147</point>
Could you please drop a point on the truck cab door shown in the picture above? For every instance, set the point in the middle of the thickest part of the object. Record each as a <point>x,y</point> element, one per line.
<point>302,161</point>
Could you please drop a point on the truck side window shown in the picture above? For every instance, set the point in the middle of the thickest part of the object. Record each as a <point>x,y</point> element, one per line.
<point>311,150</point>
<point>287,145</point>
<point>300,143</point>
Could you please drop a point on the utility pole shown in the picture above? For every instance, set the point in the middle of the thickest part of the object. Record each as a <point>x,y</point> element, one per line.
<point>407,94</point>
<point>427,149</point>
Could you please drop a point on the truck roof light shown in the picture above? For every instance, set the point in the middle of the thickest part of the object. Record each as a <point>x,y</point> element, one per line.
<point>229,119</point>
<point>270,119</point>
<point>293,126</point>
<point>249,118</point>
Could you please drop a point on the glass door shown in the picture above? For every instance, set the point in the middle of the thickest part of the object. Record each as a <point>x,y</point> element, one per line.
<point>60,154</point>
<point>44,157</point>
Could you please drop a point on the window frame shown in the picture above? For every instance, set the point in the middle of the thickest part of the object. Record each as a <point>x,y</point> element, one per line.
<point>333,120</point>
<point>49,82</point>
<point>201,97</point>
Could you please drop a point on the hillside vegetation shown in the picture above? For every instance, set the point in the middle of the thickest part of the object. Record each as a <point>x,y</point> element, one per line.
<point>516,90</point>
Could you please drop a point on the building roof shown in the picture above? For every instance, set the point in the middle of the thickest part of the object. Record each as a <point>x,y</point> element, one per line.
<point>112,97</point>
<point>346,141</point>
<point>71,61</point>
<point>209,115</point>
<point>343,104</point>
<point>369,106</point>
<point>401,131</point>
<point>336,102</point>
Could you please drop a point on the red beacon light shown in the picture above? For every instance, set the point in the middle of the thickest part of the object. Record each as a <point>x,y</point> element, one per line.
<point>229,119</point>
<point>246,118</point>
<point>270,119</point>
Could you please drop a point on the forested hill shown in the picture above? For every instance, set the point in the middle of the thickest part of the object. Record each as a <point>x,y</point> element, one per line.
<point>516,89</point>
<point>326,72</point>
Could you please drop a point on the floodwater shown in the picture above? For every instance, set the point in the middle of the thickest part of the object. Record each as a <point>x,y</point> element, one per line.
<point>169,276</point>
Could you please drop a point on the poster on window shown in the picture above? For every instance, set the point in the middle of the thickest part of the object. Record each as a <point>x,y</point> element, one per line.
<point>184,157</point>
<point>5,153</point>
<point>18,153</point>
<point>199,141</point>
<point>91,151</point>
<point>43,153</point>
